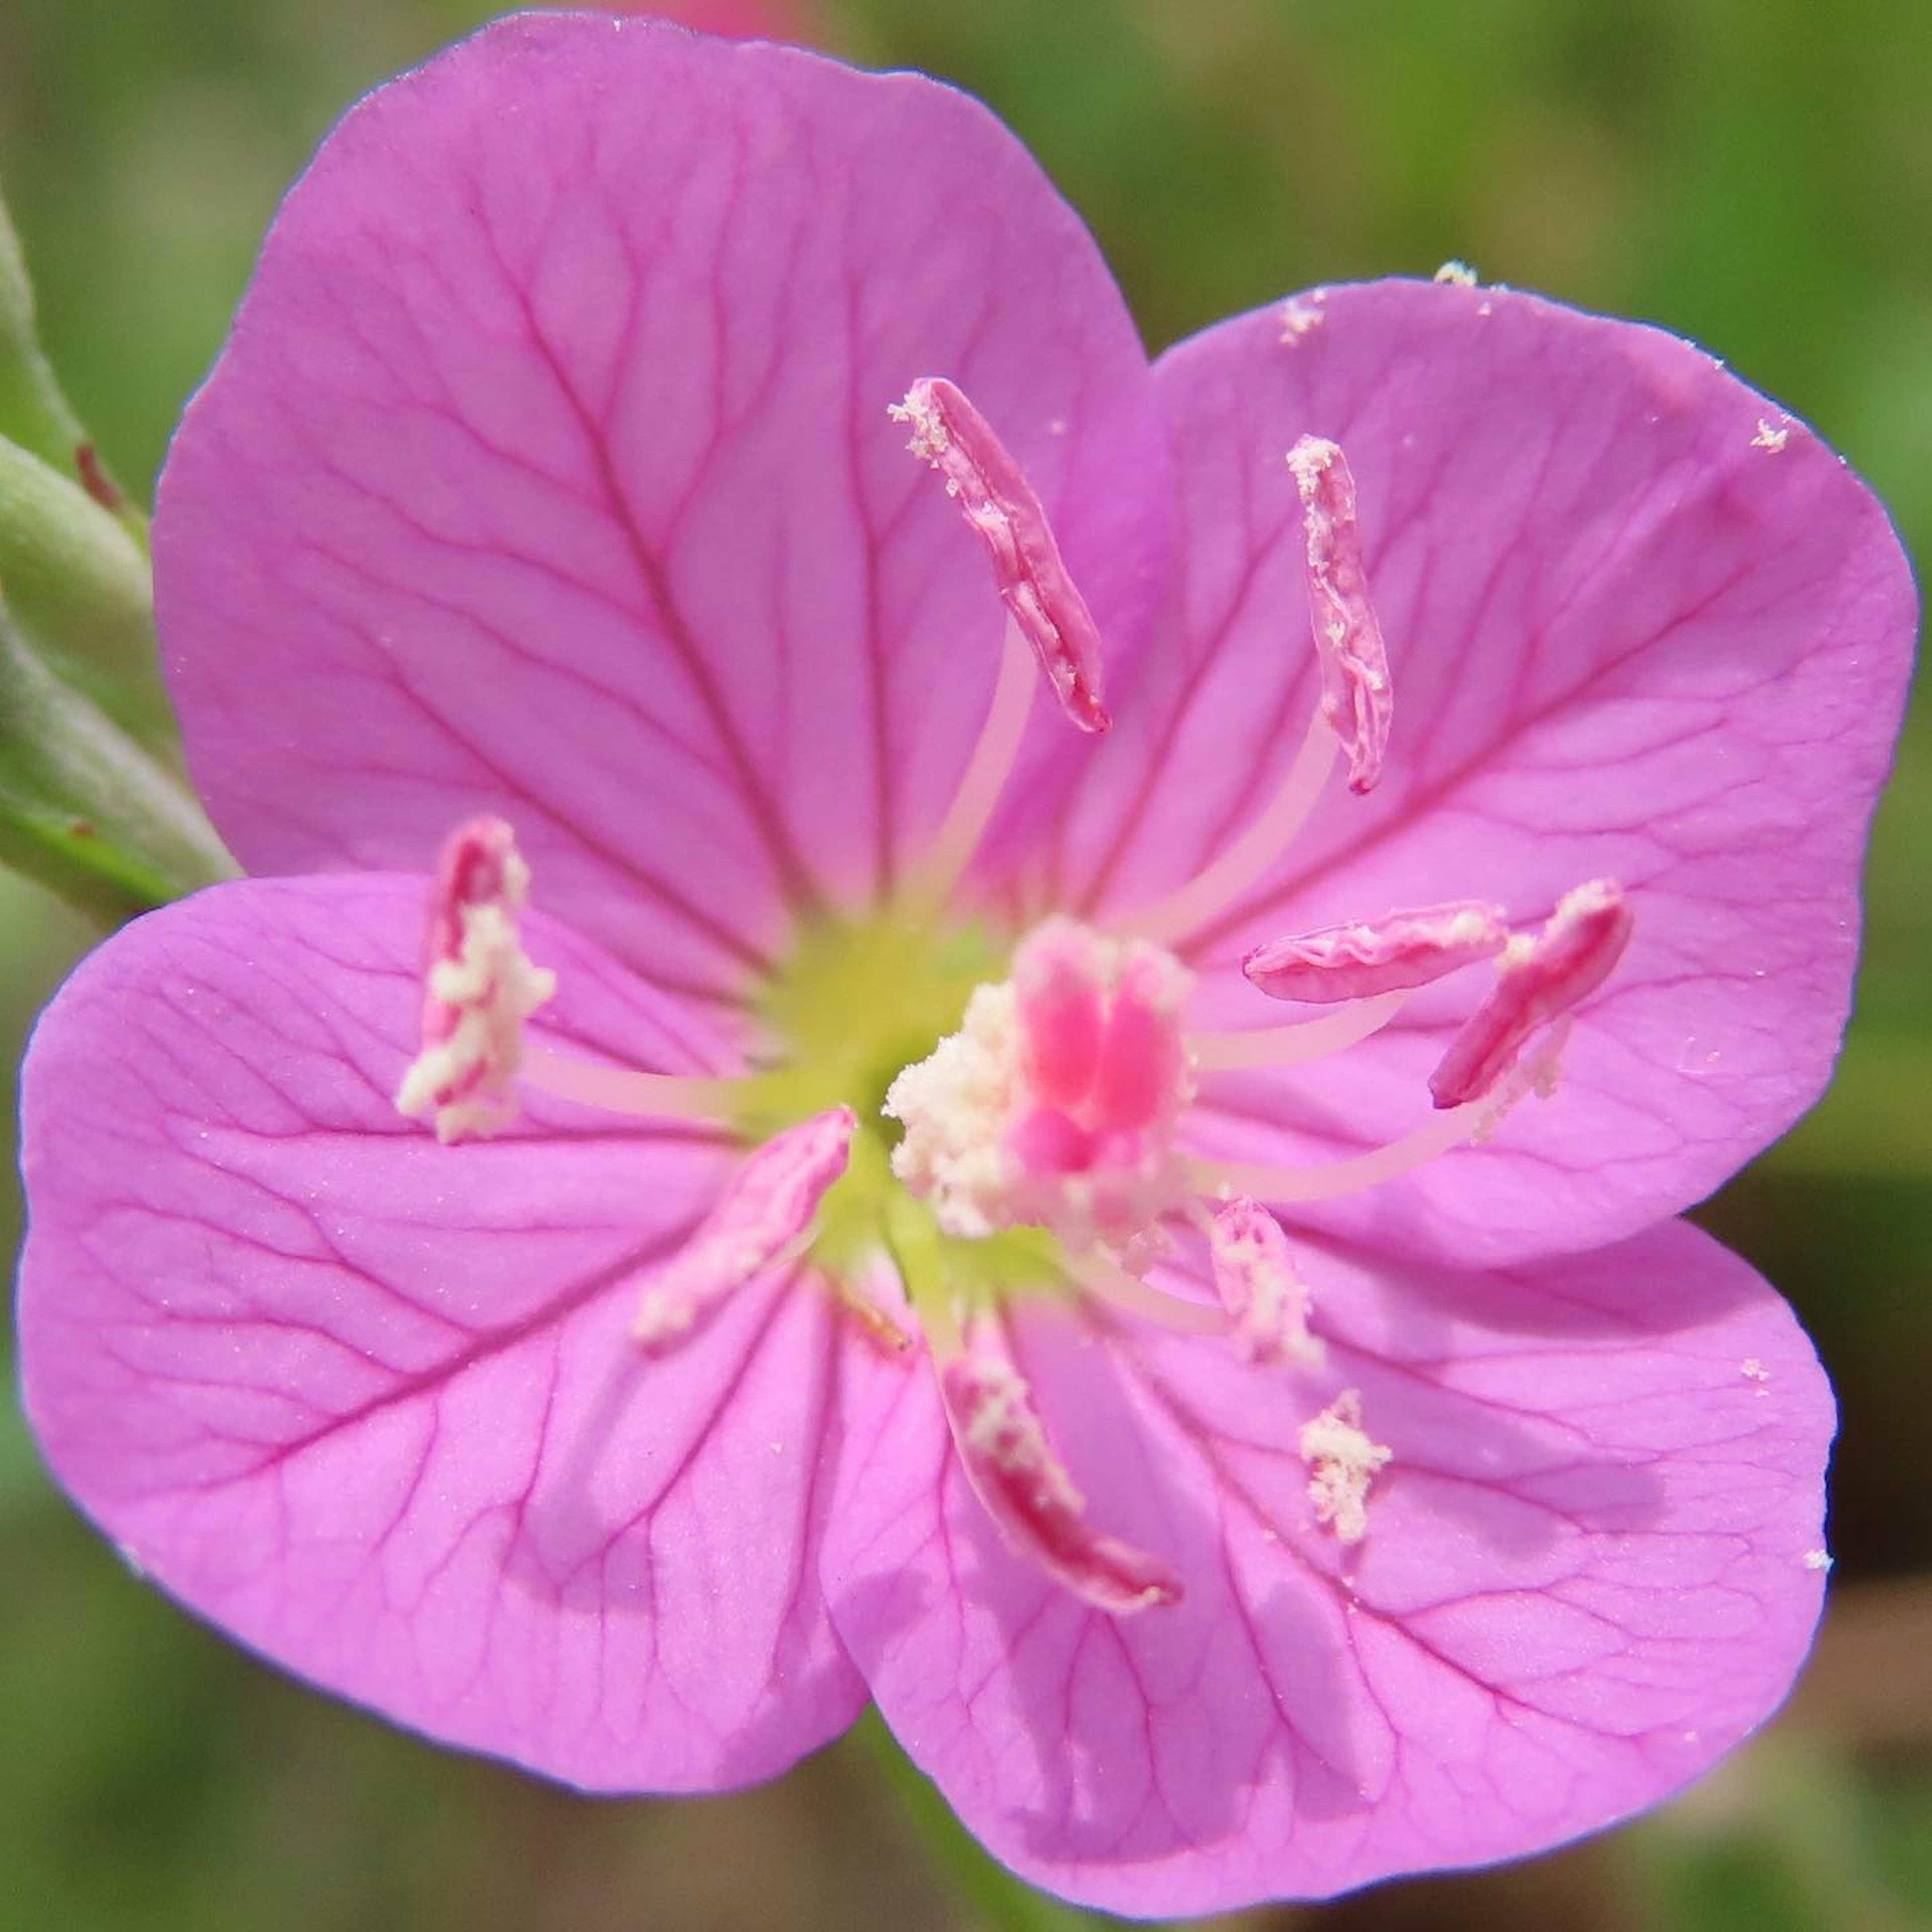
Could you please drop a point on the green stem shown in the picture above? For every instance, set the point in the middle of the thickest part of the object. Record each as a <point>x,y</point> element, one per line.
<point>991,1894</point>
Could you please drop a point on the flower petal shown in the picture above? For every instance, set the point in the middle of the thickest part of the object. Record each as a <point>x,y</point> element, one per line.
<point>548,472</point>
<point>1584,1576</point>
<point>1627,640</point>
<point>370,1404</point>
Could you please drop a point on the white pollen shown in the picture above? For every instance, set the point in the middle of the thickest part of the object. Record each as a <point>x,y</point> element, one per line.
<point>954,1106</point>
<point>1817,1559</point>
<point>1770,436</point>
<point>928,438</point>
<point>1301,317</point>
<point>495,987</point>
<point>1310,460</point>
<point>1457,275</point>
<point>1342,1462</point>
<point>1752,1370</point>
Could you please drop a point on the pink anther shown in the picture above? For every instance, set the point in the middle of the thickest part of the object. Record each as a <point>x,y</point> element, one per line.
<point>1538,981</point>
<point>1400,950</point>
<point>479,987</point>
<point>1027,1491</point>
<point>768,1205</point>
<point>1356,698</point>
<point>1259,1285</point>
<point>998,502</point>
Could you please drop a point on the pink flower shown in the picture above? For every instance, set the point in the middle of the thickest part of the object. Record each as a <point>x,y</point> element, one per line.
<point>1233,1474</point>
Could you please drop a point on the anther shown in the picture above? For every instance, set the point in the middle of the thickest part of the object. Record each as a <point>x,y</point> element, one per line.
<point>1397,952</point>
<point>1256,1279</point>
<point>479,986</point>
<point>1002,506</point>
<point>767,1207</point>
<point>1356,698</point>
<point>1027,1491</point>
<point>1537,981</point>
<point>1343,1462</point>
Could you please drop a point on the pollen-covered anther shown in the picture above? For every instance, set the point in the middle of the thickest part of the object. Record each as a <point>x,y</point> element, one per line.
<point>1342,1462</point>
<point>1002,506</point>
<point>1054,1105</point>
<point>1256,1277</point>
<point>1028,1493</point>
<point>765,1209</point>
<point>1357,700</point>
<point>479,986</point>
<point>1537,981</point>
<point>1395,953</point>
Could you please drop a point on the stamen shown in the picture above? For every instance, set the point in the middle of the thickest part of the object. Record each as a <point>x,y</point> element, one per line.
<point>1401,949</point>
<point>1027,1491</point>
<point>987,771</point>
<point>1002,506</point>
<point>1537,981</point>
<point>1329,1182</point>
<point>479,986</point>
<point>1293,1045</point>
<point>1344,1462</point>
<point>1108,1281</point>
<point>1259,1285</point>
<point>622,1089</point>
<point>767,1207</point>
<point>1356,698</point>
<point>1170,920</point>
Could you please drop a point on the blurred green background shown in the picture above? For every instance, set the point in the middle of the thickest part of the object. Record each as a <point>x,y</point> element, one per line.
<point>1754,173</point>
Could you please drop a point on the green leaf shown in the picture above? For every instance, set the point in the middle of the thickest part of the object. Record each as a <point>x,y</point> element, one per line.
<point>34,412</point>
<point>83,807</point>
<point>78,587</point>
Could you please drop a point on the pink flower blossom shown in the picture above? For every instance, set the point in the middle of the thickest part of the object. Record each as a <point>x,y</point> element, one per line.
<point>1233,1475</point>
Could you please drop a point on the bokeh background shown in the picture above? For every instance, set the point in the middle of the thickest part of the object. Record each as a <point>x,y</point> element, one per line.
<point>1757,174</point>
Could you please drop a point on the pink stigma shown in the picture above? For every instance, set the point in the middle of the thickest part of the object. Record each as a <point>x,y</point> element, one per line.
<point>1356,698</point>
<point>1054,1106</point>
<point>999,503</point>
<point>1538,981</point>
<point>1399,951</point>
<point>1027,1491</point>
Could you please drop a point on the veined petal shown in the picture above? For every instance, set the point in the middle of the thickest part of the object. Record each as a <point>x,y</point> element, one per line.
<point>1631,642</point>
<point>1590,1565</point>
<point>548,472</point>
<point>371,1404</point>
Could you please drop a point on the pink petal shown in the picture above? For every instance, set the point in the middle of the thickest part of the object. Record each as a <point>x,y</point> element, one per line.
<point>1630,642</point>
<point>548,472</point>
<point>1584,1577</point>
<point>370,1404</point>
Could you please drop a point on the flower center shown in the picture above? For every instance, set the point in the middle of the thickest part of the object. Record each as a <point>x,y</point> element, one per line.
<point>856,1003</point>
<point>1054,1105</point>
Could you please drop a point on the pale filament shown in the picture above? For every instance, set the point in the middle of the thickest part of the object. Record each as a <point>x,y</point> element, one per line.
<point>620,1090</point>
<point>1329,1181</point>
<point>1305,1040</point>
<point>987,771</point>
<point>1108,1281</point>
<point>1170,920</point>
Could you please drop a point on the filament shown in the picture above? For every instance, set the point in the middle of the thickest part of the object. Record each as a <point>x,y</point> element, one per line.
<point>1305,1040</point>
<point>1170,920</point>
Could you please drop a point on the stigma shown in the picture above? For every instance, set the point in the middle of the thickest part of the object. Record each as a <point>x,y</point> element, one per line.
<point>1055,1105</point>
